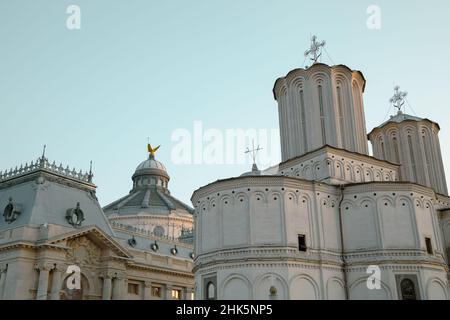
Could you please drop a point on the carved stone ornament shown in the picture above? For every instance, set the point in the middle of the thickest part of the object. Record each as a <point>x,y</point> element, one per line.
<point>11,211</point>
<point>75,216</point>
<point>83,252</point>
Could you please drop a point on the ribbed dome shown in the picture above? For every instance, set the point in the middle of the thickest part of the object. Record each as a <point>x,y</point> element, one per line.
<point>151,164</point>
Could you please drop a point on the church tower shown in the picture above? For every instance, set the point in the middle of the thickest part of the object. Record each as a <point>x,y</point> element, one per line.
<point>321,105</point>
<point>413,143</point>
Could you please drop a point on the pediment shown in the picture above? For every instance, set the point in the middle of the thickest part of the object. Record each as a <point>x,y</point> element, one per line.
<point>88,244</point>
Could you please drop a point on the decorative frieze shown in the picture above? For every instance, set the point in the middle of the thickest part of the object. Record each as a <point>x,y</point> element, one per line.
<point>42,164</point>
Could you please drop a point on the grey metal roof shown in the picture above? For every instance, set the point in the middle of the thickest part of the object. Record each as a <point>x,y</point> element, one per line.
<point>399,117</point>
<point>153,200</point>
<point>44,196</point>
<point>148,196</point>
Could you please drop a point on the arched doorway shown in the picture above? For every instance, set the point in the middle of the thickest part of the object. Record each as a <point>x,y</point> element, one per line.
<point>408,289</point>
<point>75,294</point>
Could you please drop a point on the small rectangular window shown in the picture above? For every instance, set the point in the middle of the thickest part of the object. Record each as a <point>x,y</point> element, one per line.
<point>176,294</point>
<point>301,242</point>
<point>429,246</point>
<point>133,288</point>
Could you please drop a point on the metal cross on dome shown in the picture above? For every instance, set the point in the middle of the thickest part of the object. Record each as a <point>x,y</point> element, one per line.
<point>398,99</point>
<point>253,151</point>
<point>315,51</point>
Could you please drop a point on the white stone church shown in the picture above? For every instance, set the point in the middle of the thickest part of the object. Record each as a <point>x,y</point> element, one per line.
<point>331,213</point>
<point>329,222</point>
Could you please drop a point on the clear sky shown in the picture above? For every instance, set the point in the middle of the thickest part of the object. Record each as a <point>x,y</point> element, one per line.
<point>143,68</point>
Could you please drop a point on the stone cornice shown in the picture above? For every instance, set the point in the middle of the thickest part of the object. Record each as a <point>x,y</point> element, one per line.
<point>17,245</point>
<point>390,186</point>
<point>262,181</point>
<point>318,67</point>
<point>167,271</point>
<point>393,124</point>
<point>341,152</point>
<point>268,256</point>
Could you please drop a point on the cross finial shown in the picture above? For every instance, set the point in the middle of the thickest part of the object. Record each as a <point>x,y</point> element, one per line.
<point>398,99</point>
<point>315,51</point>
<point>254,152</point>
<point>90,174</point>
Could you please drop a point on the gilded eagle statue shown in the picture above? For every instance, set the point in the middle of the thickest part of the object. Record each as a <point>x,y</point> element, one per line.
<point>151,150</point>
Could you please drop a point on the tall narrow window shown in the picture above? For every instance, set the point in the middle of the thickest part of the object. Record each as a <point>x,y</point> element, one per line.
<point>429,246</point>
<point>396,154</point>
<point>428,161</point>
<point>411,153</point>
<point>383,152</point>
<point>322,115</point>
<point>341,116</point>
<point>301,242</point>
<point>176,294</point>
<point>303,120</point>
<point>211,291</point>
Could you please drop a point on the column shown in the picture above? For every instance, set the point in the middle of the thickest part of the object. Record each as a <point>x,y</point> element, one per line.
<point>168,292</point>
<point>44,271</point>
<point>118,287</point>
<point>147,290</point>
<point>56,282</point>
<point>189,292</point>
<point>107,286</point>
<point>3,270</point>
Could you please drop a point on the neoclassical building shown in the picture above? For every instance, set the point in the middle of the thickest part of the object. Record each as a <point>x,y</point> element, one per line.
<point>53,229</point>
<point>332,213</point>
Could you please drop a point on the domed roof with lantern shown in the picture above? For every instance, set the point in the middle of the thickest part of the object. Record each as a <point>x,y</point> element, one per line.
<point>150,193</point>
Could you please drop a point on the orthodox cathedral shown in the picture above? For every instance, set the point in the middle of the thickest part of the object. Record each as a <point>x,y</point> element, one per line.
<point>332,222</point>
<point>56,242</point>
<point>329,222</point>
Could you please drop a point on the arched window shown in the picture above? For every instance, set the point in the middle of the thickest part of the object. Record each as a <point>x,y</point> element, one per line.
<point>322,115</point>
<point>383,151</point>
<point>303,121</point>
<point>428,161</point>
<point>158,231</point>
<point>413,163</point>
<point>210,291</point>
<point>396,154</point>
<point>341,116</point>
<point>408,289</point>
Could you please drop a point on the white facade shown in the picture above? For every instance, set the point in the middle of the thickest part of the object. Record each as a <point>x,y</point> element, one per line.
<point>313,229</point>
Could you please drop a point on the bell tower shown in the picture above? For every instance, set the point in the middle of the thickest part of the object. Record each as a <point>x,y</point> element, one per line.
<point>320,105</point>
<point>413,143</point>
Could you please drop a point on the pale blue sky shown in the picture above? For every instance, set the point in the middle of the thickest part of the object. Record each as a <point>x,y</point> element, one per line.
<point>145,68</point>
